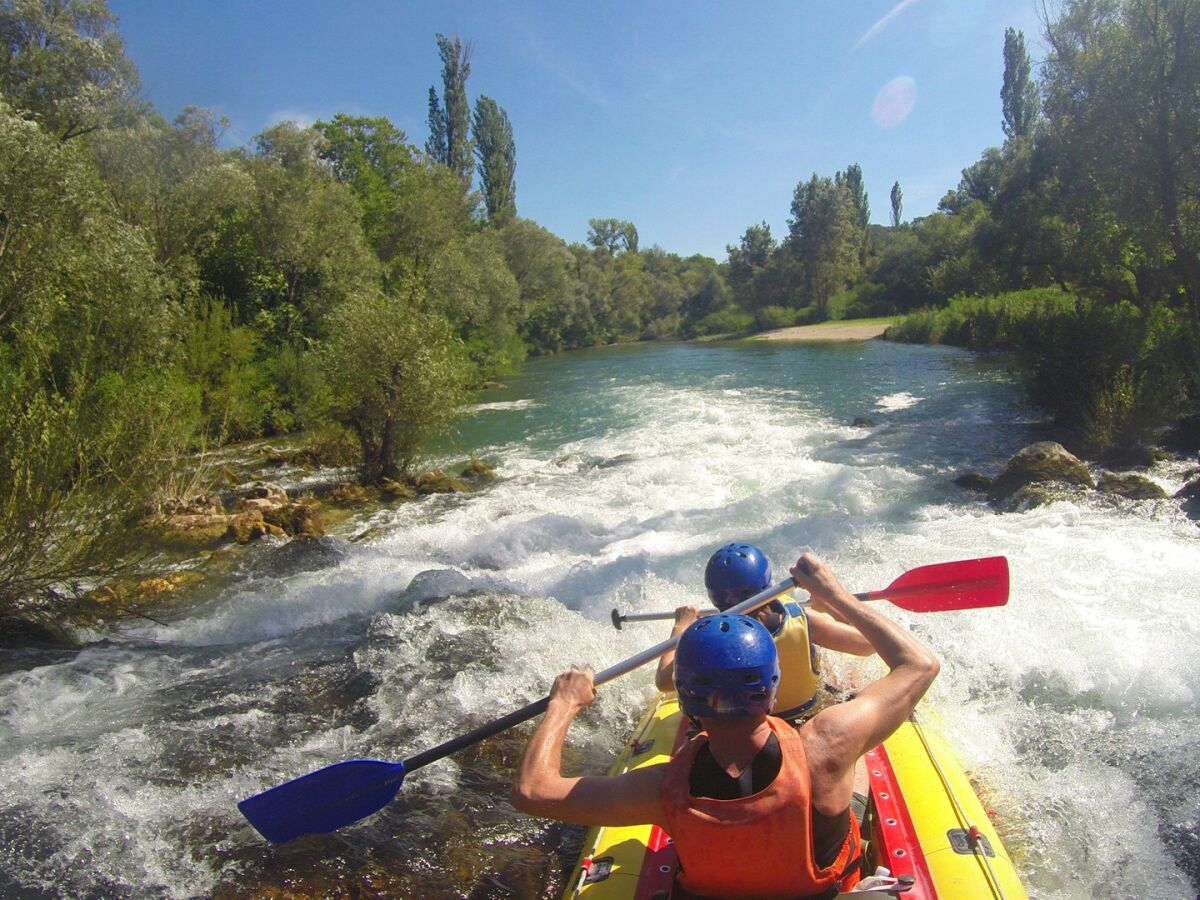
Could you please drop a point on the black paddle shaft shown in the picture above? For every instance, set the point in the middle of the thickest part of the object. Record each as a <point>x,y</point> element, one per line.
<point>524,714</point>
<point>539,706</point>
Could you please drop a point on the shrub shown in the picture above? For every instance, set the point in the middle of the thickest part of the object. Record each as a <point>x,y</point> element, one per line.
<point>730,320</point>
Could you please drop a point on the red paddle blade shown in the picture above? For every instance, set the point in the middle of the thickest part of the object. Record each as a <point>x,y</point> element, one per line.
<point>964,584</point>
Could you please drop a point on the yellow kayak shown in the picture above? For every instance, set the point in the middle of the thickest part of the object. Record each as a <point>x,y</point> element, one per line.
<point>923,822</point>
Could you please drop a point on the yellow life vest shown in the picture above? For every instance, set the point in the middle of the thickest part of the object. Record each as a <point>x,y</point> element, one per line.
<point>799,670</point>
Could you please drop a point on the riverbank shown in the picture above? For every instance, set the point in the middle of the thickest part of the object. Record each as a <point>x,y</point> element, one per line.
<point>852,330</point>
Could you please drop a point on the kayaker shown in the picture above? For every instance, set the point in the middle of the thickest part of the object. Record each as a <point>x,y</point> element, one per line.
<point>738,571</point>
<point>755,807</point>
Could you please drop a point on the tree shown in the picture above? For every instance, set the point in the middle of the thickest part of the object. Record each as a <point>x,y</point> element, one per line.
<point>852,178</point>
<point>748,263</point>
<point>1123,126</point>
<point>450,120</point>
<point>897,205</point>
<point>435,144</point>
<point>497,159</point>
<point>172,181</point>
<point>612,235</point>
<point>1018,94</point>
<point>90,417</point>
<point>397,378</point>
<point>823,228</point>
<point>374,158</point>
<point>64,62</point>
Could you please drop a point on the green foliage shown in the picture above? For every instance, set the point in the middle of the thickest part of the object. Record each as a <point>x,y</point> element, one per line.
<point>730,320</point>
<point>173,182</point>
<point>396,377</point>
<point>497,159</point>
<point>450,120</point>
<point>64,63</point>
<point>1018,94</point>
<point>982,323</point>
<point>88,419</point>
<point>470,285</point>
<point>612,235</point>
<point>897,198</point>
<point>293,255</point>
<point>825,236</point>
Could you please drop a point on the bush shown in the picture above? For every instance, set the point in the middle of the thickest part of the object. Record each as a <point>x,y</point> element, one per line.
<point>980,323</point>
<point>1112,374</point>
<point>397,378</point>
<point>730,320</point>
<point>771,317</point>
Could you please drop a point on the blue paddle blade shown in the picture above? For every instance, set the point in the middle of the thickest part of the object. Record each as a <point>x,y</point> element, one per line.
<point>324,800</point>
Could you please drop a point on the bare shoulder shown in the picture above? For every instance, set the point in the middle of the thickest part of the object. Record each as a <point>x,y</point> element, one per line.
<point>828,744</point>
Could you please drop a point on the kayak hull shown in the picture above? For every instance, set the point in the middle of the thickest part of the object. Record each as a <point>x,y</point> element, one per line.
<point>924,821</point>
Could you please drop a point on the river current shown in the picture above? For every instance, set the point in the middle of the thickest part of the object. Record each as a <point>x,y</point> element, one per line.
<point>1075,708</point>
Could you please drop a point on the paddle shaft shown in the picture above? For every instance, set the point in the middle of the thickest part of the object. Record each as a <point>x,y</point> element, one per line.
<point>616,671</point>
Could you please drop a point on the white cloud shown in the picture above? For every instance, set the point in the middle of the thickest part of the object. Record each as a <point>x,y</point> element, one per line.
<point>894,102</point>
<point>884,22</point>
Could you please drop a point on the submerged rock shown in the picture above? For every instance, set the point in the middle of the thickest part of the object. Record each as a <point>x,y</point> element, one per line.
<point>478,470</point>
<point>974,481</point>
<point>1043,462</point>
<point>300,556</point>
<point>1190,493</point>
<point>435,481</point>
<point>1132,487</point>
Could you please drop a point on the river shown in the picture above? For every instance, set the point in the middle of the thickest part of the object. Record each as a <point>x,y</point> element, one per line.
<point>1075,707</point>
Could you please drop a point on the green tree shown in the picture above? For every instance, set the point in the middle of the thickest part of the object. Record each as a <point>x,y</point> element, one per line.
<point>470,284</point>
<point>374,158</point>
<point>897,205</point>
<point>436,145</point>
<point>853,180</point>
<point>613,235</point>
<point>450,119</point>
<point>1018,94</point>
<point>89,415</point>
<point>549,295</point>
<point>288,259</point>
<point>823,231</point>
<point>1120,88</point>
<point>64,62</point>
<point>748,262</point>
<point>173,181</point>
<point>497,159</point>
<point>396,376</point>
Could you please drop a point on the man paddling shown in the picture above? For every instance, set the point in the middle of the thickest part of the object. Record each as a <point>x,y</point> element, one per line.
<point>738,571</point>
<point>747,784</point>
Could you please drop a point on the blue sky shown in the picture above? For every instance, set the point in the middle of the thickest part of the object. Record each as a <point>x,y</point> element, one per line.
<point>690,119</point>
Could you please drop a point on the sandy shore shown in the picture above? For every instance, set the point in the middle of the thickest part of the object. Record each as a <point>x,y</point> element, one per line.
<point>831,331</point>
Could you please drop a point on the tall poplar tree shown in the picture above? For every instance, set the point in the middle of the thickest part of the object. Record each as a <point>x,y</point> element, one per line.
<point>450,118</point>
<point>497,159</point>
<point>1018,94</point>
<point>897,204</point>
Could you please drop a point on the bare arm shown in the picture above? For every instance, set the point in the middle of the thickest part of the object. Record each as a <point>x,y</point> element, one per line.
<point>826,631</point>
<point>836,737</point>
<point>540,788</point>
<point>664,678</point>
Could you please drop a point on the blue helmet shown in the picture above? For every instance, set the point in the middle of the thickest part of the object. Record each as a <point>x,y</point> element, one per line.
<point>726,666</point>
<point>735,573</point>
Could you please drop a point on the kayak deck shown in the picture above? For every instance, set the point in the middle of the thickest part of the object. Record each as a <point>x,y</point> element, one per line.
<point>923,821</point>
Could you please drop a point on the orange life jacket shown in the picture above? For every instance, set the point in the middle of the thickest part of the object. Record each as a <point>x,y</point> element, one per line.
<point>759,846</point>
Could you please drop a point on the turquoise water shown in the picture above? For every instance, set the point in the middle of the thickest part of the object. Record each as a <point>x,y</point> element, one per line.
<point>1074,707</point>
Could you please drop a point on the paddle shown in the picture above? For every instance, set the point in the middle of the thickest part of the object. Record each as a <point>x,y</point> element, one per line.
<point>345,792</point>
<point>964,584</point>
